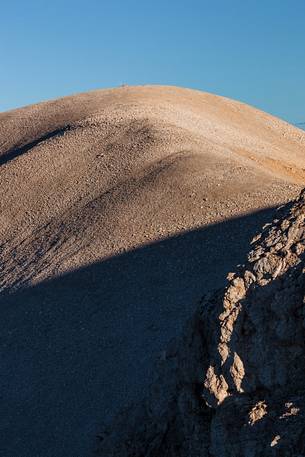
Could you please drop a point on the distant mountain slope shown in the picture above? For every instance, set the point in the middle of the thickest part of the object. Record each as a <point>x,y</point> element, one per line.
<point>300,125</point>
<point>118,208</point>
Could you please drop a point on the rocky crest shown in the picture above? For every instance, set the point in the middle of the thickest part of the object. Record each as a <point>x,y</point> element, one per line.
<point>234,384</point>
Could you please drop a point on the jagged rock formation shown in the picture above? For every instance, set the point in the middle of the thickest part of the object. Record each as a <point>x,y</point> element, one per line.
<point>234,385</point>
<point>255,380</point>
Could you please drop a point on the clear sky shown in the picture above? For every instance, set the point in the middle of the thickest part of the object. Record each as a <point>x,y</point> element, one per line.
<point>252,51</point>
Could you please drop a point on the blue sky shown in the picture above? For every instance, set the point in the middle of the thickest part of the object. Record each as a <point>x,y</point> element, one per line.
<point>252,51</point>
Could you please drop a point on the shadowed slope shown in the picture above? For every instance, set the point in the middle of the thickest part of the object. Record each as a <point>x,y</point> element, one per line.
<point>232,384</point>
<point>78,348</point>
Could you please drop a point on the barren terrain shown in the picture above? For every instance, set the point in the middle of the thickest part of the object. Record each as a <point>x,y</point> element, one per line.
<point>118,209</point>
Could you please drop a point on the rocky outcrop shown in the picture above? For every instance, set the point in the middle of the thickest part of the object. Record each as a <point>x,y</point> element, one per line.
<point>234,385</point>
<point>255,333</point>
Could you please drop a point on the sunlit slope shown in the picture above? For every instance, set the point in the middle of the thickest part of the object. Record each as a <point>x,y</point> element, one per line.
<point>87,176</point>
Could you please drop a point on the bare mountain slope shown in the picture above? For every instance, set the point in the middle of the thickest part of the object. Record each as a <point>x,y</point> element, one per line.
<point>117,209</point>
<point>91,175</point>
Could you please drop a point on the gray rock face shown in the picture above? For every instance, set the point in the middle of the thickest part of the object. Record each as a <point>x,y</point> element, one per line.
<point>255,334</point>
<point>234,385</point>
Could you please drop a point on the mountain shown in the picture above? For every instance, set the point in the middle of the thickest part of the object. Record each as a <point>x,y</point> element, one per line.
<point>118,209</point>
